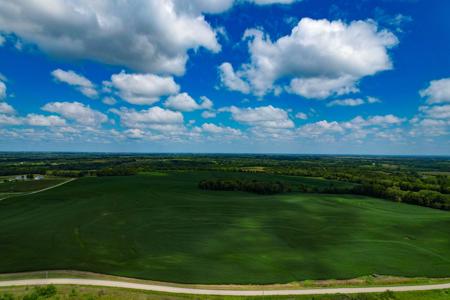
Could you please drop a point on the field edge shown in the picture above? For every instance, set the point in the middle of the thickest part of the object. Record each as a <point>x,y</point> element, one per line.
<point>365,281</point>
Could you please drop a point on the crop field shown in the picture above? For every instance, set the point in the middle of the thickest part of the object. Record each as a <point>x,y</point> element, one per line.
<point>162,227</point>
<point>28,185</point>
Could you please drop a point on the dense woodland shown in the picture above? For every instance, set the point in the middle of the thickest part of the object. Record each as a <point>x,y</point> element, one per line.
<point>253,186</point>
<point>416,180</point>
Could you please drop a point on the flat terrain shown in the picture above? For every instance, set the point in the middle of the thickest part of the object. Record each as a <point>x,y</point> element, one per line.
<point>28,185</point>
<point>162,227</point>
<point>102,293</point>
<point>217,292</point>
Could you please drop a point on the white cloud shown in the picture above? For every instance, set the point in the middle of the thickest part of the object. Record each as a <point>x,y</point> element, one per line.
<point>263,116</point>
<point>77,111</point>
<point>301,116</point>
<point>353,101</point>
<point>346,102</point>
<point>208,114</point>
<point>2,90</point>
<point>232,80</point>
<point>206,102</point>
<point>215,129</point>
<point>5,108</point>
<point>322,87</point>
<point>10,120</point>
<point>383,120</point>
<point>321,58</point>
<point>356,129</point>
<point>84,85</point>
<point>436,112</point>
<point>267,2</point>
<point>184,102</point>
<point>320,128</point>
<point>109,101</point>
<point>438,91</point>
<point>135,133</point>
<point>2,40</point>
<point>146,35</point>
<point>429,127</point>
<point>142,89</point>
<point>41,120</point>
<point>372,100</point>
<point>154,118</point>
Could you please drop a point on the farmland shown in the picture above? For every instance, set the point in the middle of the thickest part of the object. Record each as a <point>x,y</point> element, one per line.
<point>161,226</point>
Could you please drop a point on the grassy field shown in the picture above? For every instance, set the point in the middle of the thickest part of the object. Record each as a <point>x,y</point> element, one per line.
<point>164,228</point>
<point>28,185</point>
<point>98,293</point>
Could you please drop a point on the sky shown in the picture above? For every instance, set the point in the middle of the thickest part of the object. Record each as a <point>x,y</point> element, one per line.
<point>226,76</point>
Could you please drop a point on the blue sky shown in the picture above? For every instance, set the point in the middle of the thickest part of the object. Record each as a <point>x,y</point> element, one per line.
<point>272,76</point>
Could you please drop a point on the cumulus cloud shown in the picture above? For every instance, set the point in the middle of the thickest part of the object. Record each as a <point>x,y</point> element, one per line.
<point>383,121</point>
<point>155,39</point>
<point>2,90</point>
<point>231,80</point>
<point>267,2</point>
<point>438,91</point>
<point>208,114</point>
<point>323,87</point>
<point>9,120</point>
<point>7,117</point>
<point>346,102</point>
<point>155,118</point>
<point>430,127</point>
<point>142,89</point>
<point>320,128</point>
<point>41,120</point>
<point>77,112</point>
<point>81,83</point>
<point>353,101</point>
<point>5,108</point>
<point>356,129</point>
<point>301,116</point>
<point>206,102</point>
<point>263,116</point>
<point>134,133</point>
<point>436,112</point>
<point>109,101</point>
<point>215,129</point>
<point>321,57</point>
<point>184,102</point>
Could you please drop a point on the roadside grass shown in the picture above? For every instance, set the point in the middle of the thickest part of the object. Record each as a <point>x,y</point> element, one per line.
<point>164,228</point>
<point>101,293</point>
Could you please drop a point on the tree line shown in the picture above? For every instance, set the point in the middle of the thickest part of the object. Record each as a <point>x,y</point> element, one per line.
<point>426,198</point>
<point>253,186</point>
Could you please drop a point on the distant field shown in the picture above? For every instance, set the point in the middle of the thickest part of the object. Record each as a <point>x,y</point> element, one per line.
<point>164,228</point>
<point>28,185</point>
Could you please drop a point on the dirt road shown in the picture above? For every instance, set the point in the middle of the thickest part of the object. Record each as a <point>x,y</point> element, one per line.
<point>185,290</point>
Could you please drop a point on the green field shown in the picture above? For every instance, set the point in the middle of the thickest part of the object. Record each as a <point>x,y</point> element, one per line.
<point>28,185</point>
<point>164,228</point>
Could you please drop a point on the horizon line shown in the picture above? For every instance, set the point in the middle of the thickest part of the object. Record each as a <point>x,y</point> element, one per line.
<point>221,153</point>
